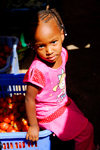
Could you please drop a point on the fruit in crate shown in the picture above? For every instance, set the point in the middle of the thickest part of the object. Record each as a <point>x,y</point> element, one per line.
<point>12,114</point>
<point>5,52</point>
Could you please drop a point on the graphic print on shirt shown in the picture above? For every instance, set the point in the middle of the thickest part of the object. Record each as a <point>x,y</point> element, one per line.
<point>61,86</point>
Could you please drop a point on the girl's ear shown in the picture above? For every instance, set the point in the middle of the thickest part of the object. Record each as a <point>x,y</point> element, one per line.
<point>62,35</point>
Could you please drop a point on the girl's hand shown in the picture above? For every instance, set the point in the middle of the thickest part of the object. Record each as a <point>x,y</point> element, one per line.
<point>33,133</point>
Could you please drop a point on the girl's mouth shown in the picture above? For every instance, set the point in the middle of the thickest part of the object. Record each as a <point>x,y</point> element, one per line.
<point>52,58</point>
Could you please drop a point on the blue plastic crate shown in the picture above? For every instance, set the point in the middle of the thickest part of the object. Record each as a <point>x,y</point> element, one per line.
<point>13,84</point>
<point>17,141</point>
<point>12,64</point>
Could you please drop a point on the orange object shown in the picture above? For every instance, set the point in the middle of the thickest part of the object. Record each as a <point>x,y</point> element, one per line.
<point>4,126</point>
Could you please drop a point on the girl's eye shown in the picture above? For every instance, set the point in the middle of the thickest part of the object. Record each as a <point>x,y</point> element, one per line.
<point>54,42</point>
<point>41,46</point>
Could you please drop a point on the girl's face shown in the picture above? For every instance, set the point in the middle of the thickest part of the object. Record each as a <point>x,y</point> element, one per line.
<point>48,41</point>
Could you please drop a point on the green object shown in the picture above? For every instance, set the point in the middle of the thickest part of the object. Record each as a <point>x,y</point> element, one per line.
<point>23,40</point>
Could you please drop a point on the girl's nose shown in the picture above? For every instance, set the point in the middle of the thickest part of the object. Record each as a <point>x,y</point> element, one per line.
<point>48,50</point>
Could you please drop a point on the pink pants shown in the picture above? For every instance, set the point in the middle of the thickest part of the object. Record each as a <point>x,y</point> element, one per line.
<point>85,141</point>
<point>72,124</point>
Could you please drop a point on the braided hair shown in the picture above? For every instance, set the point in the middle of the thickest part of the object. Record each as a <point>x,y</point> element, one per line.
<point>45,16</point>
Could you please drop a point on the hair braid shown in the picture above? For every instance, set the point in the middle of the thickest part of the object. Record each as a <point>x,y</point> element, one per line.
<point>47,14</point>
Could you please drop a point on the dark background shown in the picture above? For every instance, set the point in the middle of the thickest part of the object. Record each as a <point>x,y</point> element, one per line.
<point>82,23</point>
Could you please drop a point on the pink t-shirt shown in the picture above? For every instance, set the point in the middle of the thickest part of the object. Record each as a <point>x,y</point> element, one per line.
<point>52,82</point>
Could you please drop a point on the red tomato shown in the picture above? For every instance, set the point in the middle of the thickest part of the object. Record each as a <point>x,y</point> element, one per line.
<point>4,104</point>
<point>17,126</point>
<point>24,121</point>
<point>6,119</point>
<point>13,130</point>
<point>12,123</point>
<point>8,99</point>
<point>4,126</point>
<point>12,117</point>
<point>2,131</point>
<point>10,129</point>
<point>10,105</point>
<point>7,49</point>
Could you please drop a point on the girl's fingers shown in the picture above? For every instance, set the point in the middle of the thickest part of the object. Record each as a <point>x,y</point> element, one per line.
<point>26,136</point>
<point>37,138</point>
<point>31,138</point>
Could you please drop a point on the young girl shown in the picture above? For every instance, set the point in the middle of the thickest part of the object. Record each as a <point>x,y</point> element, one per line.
<point>47,104</point>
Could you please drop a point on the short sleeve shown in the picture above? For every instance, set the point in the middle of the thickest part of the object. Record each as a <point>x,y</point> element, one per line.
<point>35,77</point>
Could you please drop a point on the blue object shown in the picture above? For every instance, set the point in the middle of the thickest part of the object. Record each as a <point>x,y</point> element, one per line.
<point>12,65</point>
<point>13,84</point>
<point>16,140</point>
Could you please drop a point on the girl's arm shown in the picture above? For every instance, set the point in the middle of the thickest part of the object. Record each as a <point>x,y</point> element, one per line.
<point>33,131</point>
